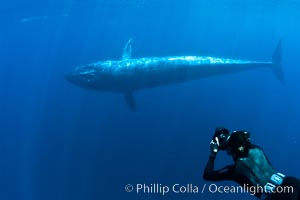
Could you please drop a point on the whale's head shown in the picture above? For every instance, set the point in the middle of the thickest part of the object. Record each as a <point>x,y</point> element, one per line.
<point>97,76</point>
<point>83,76</point>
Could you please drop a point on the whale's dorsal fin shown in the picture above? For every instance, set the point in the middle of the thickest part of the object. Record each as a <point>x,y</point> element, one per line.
<point>128,96</point>
<point>127,49</point>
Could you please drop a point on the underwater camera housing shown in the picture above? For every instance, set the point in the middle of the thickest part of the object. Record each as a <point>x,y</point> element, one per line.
<point>223,135</point>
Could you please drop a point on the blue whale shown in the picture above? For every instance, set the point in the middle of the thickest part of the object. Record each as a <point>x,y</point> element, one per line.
<point>130,74</point>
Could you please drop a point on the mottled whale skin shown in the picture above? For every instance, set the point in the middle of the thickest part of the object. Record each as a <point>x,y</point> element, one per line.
<point>130,74</point>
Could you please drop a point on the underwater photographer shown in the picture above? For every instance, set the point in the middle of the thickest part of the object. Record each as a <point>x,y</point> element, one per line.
<point>251,167</point>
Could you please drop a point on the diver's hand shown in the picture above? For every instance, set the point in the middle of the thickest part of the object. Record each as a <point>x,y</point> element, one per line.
<point>214,145</point>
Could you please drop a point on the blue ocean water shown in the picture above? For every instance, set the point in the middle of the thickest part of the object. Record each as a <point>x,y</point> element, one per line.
<point>59,141</point>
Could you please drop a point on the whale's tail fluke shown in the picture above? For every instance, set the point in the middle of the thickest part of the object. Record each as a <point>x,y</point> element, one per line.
<point>277,66</point>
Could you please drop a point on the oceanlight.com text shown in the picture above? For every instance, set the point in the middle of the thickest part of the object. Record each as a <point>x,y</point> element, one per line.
<point>164,189</point>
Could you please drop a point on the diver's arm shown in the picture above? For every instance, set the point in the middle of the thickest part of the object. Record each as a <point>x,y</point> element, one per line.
<point>209,168</point>
<point>210,174</point>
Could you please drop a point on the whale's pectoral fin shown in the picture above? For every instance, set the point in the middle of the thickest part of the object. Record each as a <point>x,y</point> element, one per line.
<point>127,49</point>
<point>128,96</point>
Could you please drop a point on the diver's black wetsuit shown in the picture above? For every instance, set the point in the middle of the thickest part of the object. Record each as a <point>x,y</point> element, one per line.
<point>252,169</point>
